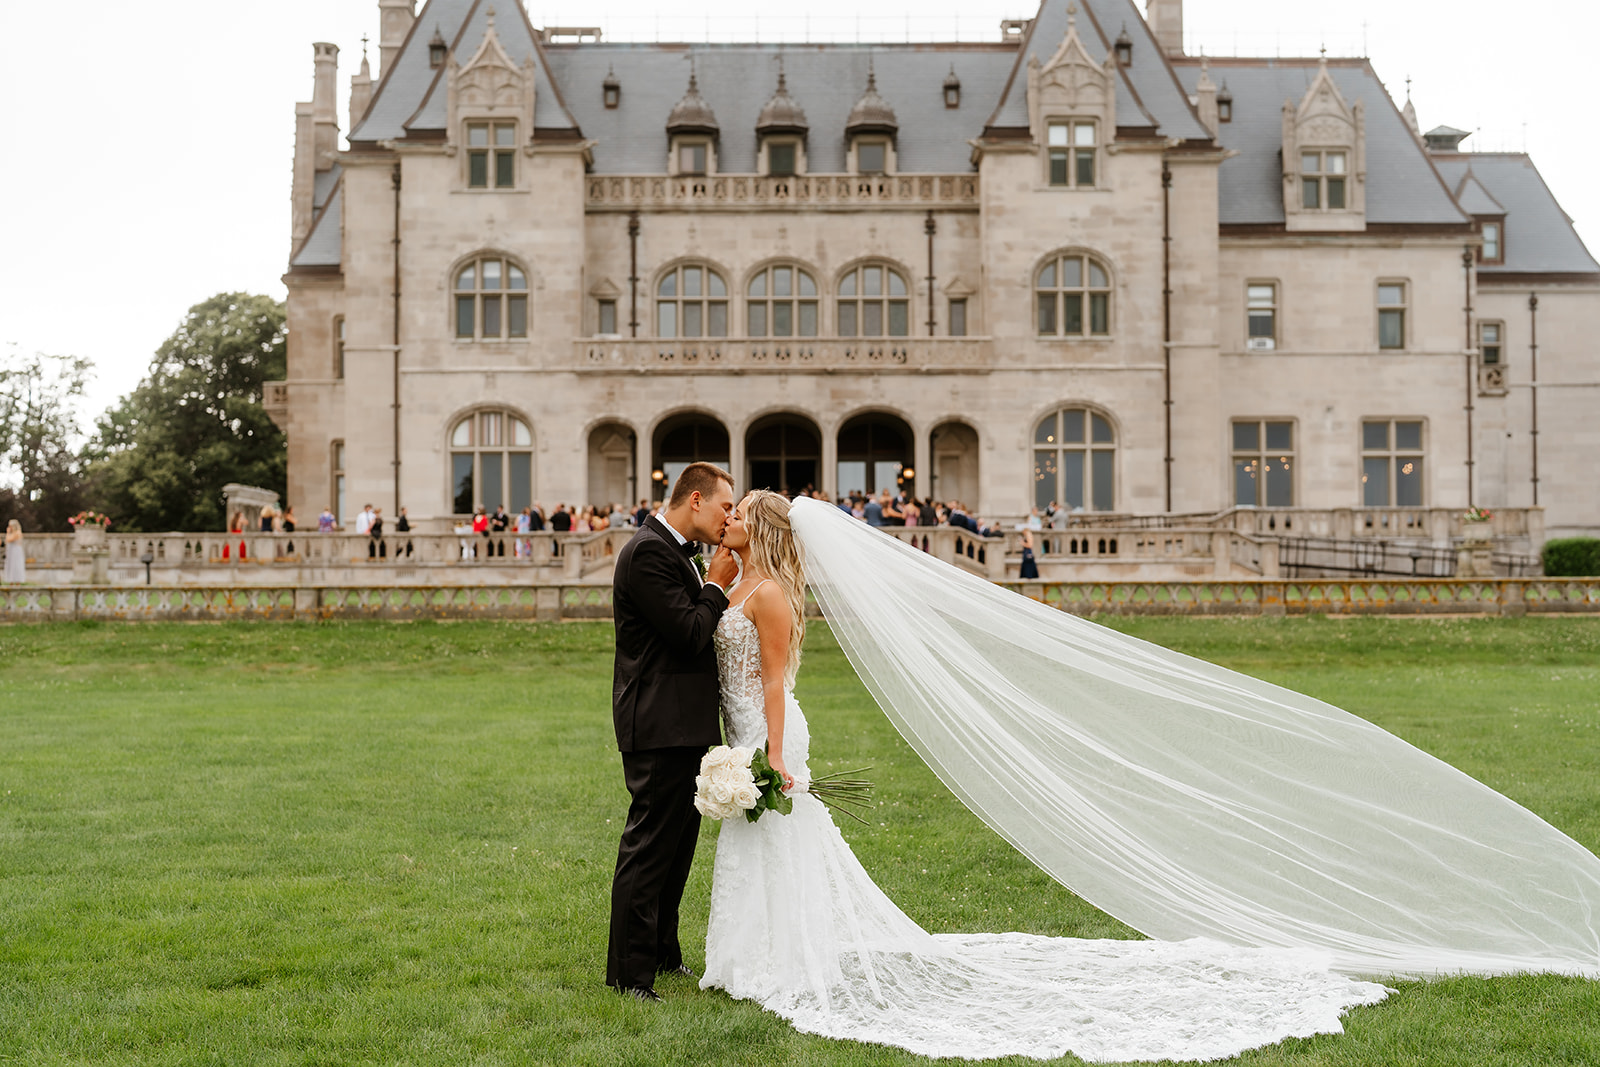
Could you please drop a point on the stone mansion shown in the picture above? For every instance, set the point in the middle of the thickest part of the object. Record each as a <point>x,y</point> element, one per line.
<point>1072,264</point>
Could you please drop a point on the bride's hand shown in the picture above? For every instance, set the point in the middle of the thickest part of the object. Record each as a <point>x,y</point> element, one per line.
<point>782,772</point>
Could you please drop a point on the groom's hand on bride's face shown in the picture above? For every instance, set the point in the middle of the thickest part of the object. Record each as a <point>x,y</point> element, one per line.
<point>723,569</point>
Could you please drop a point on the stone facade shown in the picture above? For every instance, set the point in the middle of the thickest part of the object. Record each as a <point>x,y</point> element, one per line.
<point>1193,202</point>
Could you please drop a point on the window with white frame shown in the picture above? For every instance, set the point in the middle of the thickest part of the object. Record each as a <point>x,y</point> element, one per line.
<point>1491,336</point>
<point>1075,461</point>
<point>1391,314</point>
<point>1391,463</point>
<point>1261,316</point>
<point>491,297</point>
<point>874,301</point>
<point>491,155</point>
<point>1492,250</point>
<point>1072,297</point>
<point>1322,179</point>
<point>691,301</point>
<point>491,462</point>
<point>781,301</point>
<point>1263,463</point>
<point>1072,146</point>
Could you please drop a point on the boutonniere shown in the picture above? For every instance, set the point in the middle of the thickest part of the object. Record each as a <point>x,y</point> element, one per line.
<point>699,560</point>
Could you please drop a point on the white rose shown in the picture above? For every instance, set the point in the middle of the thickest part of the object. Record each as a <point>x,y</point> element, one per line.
<point>701,782</point>
<point>721,792</point>
<point>740,757</point>
<point>717,757</point>
<point>746,796</point>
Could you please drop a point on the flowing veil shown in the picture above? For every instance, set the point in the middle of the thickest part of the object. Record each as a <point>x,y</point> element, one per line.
<point>1191,801</point>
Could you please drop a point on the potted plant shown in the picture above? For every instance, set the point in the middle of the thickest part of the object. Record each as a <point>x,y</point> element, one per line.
<point>89,529</point>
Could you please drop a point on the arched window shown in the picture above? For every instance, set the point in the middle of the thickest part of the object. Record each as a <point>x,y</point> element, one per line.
<point>781,301</point>
<point>1073,296</point>
<point>1075,461</point>
<point>692,301</point>
<point>491,462</point>
<point>873,302</point>
<point>491,300</point>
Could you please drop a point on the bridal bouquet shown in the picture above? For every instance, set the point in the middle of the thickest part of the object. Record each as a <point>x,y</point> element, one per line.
<point>734,780</point>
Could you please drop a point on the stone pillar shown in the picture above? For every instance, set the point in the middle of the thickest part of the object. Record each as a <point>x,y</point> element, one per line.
<point>91,559</point>
<point>922,456</point>
<point>828,476</point>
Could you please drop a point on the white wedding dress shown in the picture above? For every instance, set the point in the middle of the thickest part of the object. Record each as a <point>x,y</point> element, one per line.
<point>799,927</point>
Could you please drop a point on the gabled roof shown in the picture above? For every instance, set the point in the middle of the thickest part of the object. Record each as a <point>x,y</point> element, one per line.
<point>413,95</point>
<point>1539,237</point>
<point>1148,93</point>
<point>1402,186</point>
<point>1474,198</point>
<point>322,246</point>
<point>737,79</point>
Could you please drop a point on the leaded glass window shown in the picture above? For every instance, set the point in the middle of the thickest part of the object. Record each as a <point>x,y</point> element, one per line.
<point>781,301</point>
<point>1075,461</point>
<point>874,301</point>
<point>1072,297</point>
<point>491,298</point>
<point>691,301</point>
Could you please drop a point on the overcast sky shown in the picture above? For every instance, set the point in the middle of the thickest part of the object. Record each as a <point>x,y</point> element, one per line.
<point>148,146</point>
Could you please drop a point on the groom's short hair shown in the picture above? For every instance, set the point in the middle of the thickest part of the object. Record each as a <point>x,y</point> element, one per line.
<point>699,478</point>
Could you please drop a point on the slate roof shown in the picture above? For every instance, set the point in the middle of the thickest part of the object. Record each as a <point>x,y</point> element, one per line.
<point>736,80</point>
<point>516,37</point>
<point>1148,93</point>
<point>323,245</point>
<point>1538,237</point>
<point>1402,186</point>
<point>1474,198</point>
<point>326,181</point>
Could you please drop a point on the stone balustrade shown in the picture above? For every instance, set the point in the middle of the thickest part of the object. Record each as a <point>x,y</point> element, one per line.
<point>876,355</point>
<point>915,192</point>
<point>1440,526</point>
<point>551,601</point>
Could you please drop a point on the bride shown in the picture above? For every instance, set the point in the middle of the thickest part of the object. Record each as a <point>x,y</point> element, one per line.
<point>1272,846</point>
<point>798,926</point>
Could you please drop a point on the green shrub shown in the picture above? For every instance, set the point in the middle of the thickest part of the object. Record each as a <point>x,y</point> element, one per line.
<point>1572,557</point>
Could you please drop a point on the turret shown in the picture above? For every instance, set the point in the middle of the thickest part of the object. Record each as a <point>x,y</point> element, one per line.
<point>360,88</point>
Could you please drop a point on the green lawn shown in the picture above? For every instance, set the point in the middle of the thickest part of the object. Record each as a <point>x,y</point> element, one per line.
<point>392,843</point>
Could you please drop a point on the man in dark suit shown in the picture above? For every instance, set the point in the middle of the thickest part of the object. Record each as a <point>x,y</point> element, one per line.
<point>664,700</point>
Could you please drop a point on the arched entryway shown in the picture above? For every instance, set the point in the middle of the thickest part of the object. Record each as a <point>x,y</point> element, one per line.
<point>611,466</point>
<point>692,437</point>
<point>783,452</point>
<point>875,448</point>
<point>953,451</point>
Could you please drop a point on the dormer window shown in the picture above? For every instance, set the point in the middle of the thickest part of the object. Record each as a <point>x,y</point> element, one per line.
<point>1322,178</point>
<point>692,157</point>
<point>491,153</point>
<point>781,158</point>
<point>952,90</point>
<point>872,157</point>
<point>1492,250</point>
<point>1124,48</point>
<point>611,91</point>
<point>436,50</point>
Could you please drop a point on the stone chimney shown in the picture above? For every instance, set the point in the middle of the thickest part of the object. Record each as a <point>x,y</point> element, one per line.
<point>324,108</point>
<point>303,184</point>
<point>1205,98</point>
<point>1166,22</point>
<point>360,90</point>
<point>394,22</point>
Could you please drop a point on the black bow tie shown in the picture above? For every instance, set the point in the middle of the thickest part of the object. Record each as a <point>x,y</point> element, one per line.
<point>691,548</point>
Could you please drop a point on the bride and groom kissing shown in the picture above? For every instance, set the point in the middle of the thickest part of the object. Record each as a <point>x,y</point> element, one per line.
<point>1270,844</point>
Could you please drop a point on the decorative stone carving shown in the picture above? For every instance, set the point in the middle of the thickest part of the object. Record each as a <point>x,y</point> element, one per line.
<point>1322,121</point>
<point>1072,85</point>
<point>490,85</point>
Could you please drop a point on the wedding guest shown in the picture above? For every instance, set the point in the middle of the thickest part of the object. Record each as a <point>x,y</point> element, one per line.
<point>16,571</point>
<point>872,511</point>
<point>536,517</point>
<point>326,521</point>
<point>480,526</point>
<point>620,517</point>
<point>377,548</point>
<point>561,521</point>
<point>1030,566</point>
<point>524,546</point>
<point>641,513</point>
<point>585,521</point>
<point>928,514</point>
<point>267,515</point>
<point>364,520</point>
<point>912,512</point>
<point>401,525</point>
<point>499,523</point>
<point>235,526</point>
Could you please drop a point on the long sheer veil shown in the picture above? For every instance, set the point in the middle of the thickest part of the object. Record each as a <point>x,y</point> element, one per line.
<point>1187,800</point>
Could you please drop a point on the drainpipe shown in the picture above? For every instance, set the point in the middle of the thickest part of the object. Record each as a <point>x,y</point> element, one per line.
<point>1166,319</point>
<point>1466,271</point>
<point>930,227</point>
<point>633,274</point>
<point>1533,373</point>
<point>395,354</point>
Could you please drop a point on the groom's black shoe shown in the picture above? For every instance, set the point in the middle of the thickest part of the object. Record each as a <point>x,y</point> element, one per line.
<point>680,971</point>
<point>637,993</point>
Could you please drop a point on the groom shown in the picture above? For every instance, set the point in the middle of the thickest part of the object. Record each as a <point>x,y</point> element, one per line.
<point>664,699</point>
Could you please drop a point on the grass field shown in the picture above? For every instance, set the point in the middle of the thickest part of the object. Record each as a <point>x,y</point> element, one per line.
<point>392,843</point>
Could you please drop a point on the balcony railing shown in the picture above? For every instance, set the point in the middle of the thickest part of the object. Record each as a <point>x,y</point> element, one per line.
<point>628,192</point>
<point>789,356</point>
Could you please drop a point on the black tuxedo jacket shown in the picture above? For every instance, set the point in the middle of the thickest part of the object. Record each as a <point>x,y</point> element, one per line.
<point>664,691</point>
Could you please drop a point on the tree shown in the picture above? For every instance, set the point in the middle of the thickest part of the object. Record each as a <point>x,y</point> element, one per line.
<point>160,457</point>
<point>40,481</point>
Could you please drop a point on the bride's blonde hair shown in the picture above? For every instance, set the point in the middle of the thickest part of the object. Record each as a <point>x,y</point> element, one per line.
<point>775,553</point>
